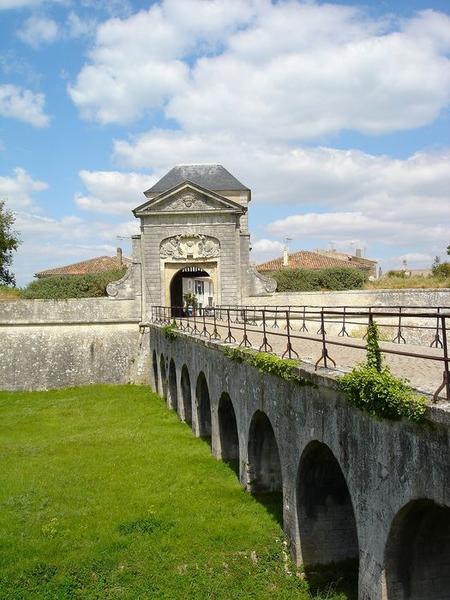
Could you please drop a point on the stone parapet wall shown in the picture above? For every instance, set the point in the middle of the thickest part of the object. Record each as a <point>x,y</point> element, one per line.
<point>47,344</point>
<point>404,297</point>
<point>79,310</point>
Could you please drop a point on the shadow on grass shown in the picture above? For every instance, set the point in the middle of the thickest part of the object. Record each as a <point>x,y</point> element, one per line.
<point>233,464</point>
<point>327,581</point>
<point>273,503</point>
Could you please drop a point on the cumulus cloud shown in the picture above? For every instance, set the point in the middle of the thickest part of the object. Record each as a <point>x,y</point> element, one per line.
<point>341,196</point>
<point>49,241</point>
<point>136,63</point>
<point>279,71</point>
<point>38,30</point>
<point>18,190</point>
<point>22,104</point>
<point>264,249</point>
<point>112,192</point>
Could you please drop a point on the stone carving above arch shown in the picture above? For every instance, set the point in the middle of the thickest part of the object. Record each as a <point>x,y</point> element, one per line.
<point>189,246</point>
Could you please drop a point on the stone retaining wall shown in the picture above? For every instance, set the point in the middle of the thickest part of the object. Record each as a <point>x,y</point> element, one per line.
<point>48,344</point>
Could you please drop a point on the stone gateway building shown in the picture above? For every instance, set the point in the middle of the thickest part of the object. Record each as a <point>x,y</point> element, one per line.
<point>195,239</point>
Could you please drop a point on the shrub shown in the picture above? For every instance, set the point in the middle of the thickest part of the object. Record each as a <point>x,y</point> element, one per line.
<point>305,280</point>
<point>72,286</point>
<point>396,274</point>
<point>442,270</point>
<point>381,394</point>
<point>374,389</point>
<point>170,331</point>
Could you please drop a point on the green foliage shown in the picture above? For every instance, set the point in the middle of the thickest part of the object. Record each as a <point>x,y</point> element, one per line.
<point>374,389</point>
<point>374,358</point>
<point>9,293</point>
<point>396,274</point>
<point>142,509</point>
<point>441,270</point>
<point>190,300</point>
<point>267,363</point>
<point>304,280</point>
<point>9,242</point>
<point>72,286</point>
<point>381,394</point>
<point>170,331</point>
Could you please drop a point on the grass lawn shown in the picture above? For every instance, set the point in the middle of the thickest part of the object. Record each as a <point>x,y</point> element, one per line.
<point>105,494</point>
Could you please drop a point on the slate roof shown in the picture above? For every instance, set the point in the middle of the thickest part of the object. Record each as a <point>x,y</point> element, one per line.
<point>93,265</point>
<point>309,260</point>
<point>210,176</point>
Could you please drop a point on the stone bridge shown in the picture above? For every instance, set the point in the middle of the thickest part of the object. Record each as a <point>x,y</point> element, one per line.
<point>356,491</point>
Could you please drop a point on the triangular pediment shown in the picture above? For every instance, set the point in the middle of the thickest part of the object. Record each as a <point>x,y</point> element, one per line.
<point>188,197</point>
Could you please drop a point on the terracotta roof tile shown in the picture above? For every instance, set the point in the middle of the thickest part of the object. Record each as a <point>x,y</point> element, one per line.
<point>308,260</point>
<point>93,265</point>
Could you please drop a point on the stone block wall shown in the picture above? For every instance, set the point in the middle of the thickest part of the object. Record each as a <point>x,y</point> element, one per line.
<point>48,344</point>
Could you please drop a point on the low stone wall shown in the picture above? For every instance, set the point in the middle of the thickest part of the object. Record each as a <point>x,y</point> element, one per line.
<point>48,344</point>
<point>405,297</point>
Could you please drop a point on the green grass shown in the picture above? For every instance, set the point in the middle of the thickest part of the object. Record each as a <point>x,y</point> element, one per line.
<point>104,494</point>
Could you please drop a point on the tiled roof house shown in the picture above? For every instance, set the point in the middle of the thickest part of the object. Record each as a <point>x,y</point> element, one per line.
<point>99,264</point>
<point>305,259</point>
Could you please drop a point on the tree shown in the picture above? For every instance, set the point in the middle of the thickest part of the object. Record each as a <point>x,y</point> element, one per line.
<point>9,242</point>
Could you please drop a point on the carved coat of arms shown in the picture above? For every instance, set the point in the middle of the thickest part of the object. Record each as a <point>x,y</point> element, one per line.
<point>189,246</point>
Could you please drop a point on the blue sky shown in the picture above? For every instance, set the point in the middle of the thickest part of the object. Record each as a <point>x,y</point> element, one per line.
<point>335,114</point>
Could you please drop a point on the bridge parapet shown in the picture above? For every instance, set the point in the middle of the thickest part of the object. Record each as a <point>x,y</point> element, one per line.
<point>355,490</point>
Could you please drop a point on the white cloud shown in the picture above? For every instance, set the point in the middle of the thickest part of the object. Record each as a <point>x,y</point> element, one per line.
<point>22,104</point>
<point>38,30</point>
<point>154,42</point>
<point>112,192</point>
<point>264,249</point>
<point>339,196</point>
<point>279,71</point>
<point>19,189</point>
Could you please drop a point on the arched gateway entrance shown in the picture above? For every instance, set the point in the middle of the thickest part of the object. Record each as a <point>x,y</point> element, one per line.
<point>191,281</point>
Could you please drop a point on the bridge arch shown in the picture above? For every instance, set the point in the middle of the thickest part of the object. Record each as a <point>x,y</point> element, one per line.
<point>163,374</point>
<point>228,431</point>
<point>155,372</point>
<point>203,406</point>
<point>172,396</point>
<point>186,397</point>
<point>326,519</point>
<point>417,556</point>
<point>264,466</point>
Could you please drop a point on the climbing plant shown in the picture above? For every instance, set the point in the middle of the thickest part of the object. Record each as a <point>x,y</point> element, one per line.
<point>268,363</point>
<point>373,388</point>
<point>170,331</point>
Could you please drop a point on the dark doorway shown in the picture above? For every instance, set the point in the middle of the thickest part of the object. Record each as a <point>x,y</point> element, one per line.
<point>176,287</point>
<point>186,394</point>
<point>228,431</point>
<point>327,525</point>
<point>264,466</point>
<point>417,558</point>
<point>173,395</point>
<point>203,407</point>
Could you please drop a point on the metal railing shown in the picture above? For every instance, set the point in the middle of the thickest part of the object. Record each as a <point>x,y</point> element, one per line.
<point>293,323</point>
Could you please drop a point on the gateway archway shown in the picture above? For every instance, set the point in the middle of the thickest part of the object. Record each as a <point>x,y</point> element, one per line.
<point>191,280</point>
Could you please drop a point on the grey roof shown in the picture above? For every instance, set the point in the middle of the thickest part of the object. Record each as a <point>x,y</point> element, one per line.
<point>211,177</point>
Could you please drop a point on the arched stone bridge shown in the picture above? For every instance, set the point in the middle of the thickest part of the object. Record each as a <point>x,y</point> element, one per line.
<point>355,491</point>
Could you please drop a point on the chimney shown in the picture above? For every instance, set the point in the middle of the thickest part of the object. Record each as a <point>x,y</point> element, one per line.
<point>285,257</point>
<point>119,256</point>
